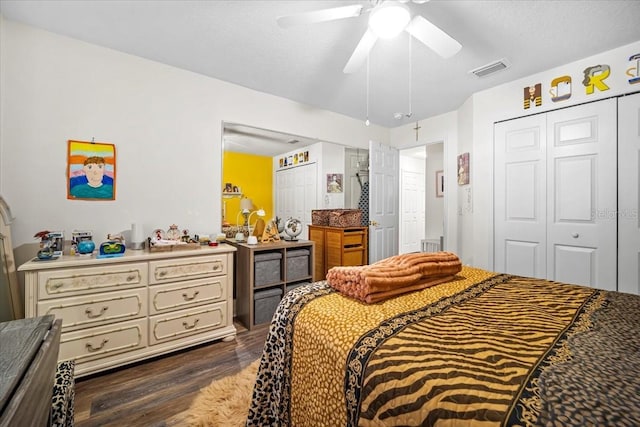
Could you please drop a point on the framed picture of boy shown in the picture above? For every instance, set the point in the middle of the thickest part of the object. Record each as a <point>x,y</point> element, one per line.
<point>91,171</point>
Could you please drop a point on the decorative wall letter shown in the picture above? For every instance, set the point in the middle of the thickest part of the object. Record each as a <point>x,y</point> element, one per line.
<point>560,88</point>
<point>533,95</point>
<point>634,70</point>
<point>594,77</point>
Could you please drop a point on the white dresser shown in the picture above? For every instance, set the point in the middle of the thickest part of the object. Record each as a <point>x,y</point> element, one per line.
<point>120,310</point>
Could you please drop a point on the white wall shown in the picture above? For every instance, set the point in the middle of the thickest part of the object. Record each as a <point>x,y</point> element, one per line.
<point>166,124</point>
<point>435,205</point>
<point>442,128</point>
<point>469,229</point>
<point>332,163</point>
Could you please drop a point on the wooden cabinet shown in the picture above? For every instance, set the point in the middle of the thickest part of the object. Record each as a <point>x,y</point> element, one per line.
<point>338,246</point>
<point>265,272</point>
<point>120,310</point>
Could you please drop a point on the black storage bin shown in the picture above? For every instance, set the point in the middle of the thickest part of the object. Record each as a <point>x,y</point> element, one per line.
<point>265,303</point>
<point>297,264</point>
<point>267,268</point>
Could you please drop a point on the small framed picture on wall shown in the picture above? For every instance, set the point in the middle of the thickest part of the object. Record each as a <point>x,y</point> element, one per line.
<point>334,183</point>
<point>463,169</point>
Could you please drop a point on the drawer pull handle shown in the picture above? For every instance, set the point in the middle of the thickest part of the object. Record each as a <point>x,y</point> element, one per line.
<point>189,298</point>
<point>188,326</point>
<point>217,267</point>
<point>90,315</point>
<point>91,348</point>
<point>162,273</point>
<point>131,277</point>
<point>57,285</point>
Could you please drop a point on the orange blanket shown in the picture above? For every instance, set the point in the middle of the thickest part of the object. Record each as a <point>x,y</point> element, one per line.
<point>394,275</point>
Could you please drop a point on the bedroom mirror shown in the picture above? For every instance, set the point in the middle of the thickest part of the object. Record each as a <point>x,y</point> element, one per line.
<point>10,301</point>
<point>287,175</point>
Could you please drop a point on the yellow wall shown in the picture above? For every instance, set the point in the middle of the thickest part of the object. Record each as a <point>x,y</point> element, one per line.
<point>254,176</point>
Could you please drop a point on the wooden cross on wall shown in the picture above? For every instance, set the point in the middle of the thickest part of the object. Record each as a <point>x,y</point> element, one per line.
<point>417,128</point>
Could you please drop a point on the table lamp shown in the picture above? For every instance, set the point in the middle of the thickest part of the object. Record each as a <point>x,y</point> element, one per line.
<point>245,210</point>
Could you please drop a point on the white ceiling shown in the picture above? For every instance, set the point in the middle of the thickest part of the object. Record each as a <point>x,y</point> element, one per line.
<point>240,42</point>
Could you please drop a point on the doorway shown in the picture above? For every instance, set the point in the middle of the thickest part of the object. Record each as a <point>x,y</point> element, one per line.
<point>421,201</point>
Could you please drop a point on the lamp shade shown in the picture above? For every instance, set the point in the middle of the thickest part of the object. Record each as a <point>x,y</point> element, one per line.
<point>246,204</point>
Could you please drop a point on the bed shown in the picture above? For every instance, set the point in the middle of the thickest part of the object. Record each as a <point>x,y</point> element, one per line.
<point>483,349</point>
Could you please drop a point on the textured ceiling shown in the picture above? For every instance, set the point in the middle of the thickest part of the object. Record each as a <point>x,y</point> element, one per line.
<point>240,42</point>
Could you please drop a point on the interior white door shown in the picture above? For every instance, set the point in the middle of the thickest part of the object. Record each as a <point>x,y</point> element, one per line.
<point>520,196</point>
<point>296,195</point>
<point>383,201</point>
<point>581,195</point>
<point>412,205</point>
<point>628,203</point>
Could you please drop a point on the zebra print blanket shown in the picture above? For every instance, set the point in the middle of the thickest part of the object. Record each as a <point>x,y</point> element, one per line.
<point>486,349</point>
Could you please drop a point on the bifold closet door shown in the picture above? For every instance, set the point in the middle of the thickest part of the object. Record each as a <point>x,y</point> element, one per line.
<point>628,203</point>
<point>555,186</point>
<point>582,195</point>
<point>520,196</point>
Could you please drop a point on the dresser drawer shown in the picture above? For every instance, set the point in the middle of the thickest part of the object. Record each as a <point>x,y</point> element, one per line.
<point>183,323</point>
<point>353,239</point>
<point>353,256</point>
<point>79,281</point>
<point>187,268</point>
<point>103,341</point>
<point>174,296</point>
<point>99,309</point>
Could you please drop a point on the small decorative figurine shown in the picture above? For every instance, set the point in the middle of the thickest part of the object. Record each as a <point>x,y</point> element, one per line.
<point>173,233</point>
<point>85,247</point>
<point>113,247</point>
<point>293,227</point>
<point>46,251</point>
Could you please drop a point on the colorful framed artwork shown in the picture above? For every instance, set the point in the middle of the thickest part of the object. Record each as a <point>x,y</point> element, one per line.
<point>439,183</point>
<point>463,169</point>
<point>91,173</point>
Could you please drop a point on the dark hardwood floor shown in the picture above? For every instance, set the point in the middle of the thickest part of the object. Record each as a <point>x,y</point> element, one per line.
<point>158,392</point>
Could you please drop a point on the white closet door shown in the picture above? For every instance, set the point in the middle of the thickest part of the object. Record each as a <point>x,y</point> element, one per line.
<point>520,196</point>
<point>581,195</point>
<point>628,203</point>
<point>555,195</point>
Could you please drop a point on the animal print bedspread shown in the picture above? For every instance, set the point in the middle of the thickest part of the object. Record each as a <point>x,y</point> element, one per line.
<point>483,350</point>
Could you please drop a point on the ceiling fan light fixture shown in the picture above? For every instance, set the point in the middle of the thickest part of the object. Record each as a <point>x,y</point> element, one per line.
<point>389,19</point>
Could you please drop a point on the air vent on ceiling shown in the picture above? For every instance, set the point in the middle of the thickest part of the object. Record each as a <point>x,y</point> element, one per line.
<point>292,141</point>
<point>491,68</point>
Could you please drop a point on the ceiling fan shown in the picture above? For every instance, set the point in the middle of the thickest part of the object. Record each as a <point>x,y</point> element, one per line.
<point>387,18</point>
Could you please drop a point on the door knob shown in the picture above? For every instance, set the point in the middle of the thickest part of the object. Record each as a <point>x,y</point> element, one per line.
<point>374,223</point>
<point>575,235</point>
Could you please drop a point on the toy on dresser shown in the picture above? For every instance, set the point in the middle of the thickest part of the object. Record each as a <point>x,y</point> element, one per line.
<point>113,247</point>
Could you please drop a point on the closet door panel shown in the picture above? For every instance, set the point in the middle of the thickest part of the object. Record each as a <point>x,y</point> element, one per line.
<point>519,194</point>
<point>628,201</point>
<point>581,195</point>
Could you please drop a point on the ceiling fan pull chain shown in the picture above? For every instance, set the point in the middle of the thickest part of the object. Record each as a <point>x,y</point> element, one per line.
<point>410,76</point>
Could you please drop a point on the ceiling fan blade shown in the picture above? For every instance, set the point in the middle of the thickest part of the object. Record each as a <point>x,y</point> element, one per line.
<point>433,37</point>
<point>360,53</point>
<point>320,16</point>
